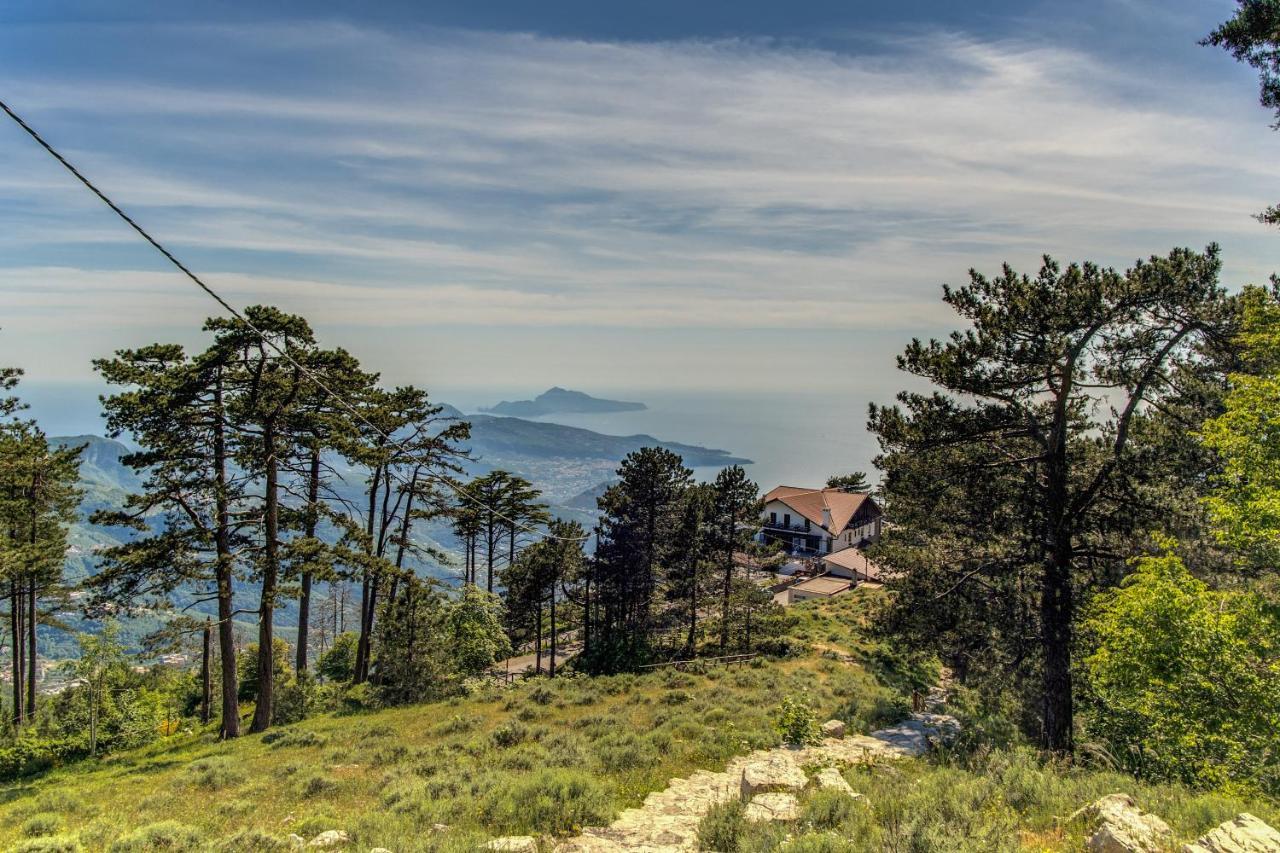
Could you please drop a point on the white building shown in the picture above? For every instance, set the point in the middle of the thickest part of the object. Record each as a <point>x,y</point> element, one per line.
<point>815,522</point>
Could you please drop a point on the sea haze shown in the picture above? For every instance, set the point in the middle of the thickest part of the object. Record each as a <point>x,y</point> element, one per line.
<point>793,437</point>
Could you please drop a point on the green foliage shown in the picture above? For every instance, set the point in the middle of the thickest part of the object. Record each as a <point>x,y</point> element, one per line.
<point>247,664</point>
<point>339,660</point>
<point>474,631</point>
<point>722,827</point>
<point>1245,504</point>
<point>42,823</point>
<point>167,836</point>
<point>796,723</point>
<point>1183,683</point>
<point>215,773</point>
<point>559,801</point>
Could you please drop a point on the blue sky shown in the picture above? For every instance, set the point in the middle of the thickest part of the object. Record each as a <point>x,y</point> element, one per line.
<point>606,195</point>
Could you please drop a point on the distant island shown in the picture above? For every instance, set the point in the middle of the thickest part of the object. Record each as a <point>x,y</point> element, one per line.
<point>560,401</point>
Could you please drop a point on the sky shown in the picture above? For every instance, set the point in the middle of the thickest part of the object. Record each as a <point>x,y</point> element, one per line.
<point>747,195</point>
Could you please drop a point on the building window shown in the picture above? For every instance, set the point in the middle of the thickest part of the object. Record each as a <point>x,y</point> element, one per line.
<point>773,518</point>
<point>806,525</point>
<point>786,519</point>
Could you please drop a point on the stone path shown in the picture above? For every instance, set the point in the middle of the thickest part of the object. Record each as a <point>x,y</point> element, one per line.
<point>668,820</point>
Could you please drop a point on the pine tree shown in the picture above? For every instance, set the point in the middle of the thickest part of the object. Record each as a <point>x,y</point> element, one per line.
<point>176,408</point>
<point>1043,446</point>
<point>38,500</point>
<point>640,516</point>
<point>735,521</point>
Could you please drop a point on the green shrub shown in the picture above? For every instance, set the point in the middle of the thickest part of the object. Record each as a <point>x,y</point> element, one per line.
<point>167,835</point>
<point>508,735</point>
<point>829,809</point>
<point>215,773</point>
<point>796,723</point>
<point>317,785</point>
<point>558,802</point>
<point>251,841</point>
<point>1183,682</point>
<point>722,828</point>
<point>55,844</point>
<point>44,823</point>
<point>280,738</point>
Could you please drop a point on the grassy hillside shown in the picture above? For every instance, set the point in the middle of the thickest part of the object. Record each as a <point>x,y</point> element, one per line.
<point>546,757</point>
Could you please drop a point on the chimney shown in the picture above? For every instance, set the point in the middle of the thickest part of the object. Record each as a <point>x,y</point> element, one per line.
<point>826,516</point>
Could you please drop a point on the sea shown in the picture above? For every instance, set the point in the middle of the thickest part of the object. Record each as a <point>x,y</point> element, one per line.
<point>794,438</point>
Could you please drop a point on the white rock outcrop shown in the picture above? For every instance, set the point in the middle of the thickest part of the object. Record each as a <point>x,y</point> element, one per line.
<point>1125,828</point>
<point>329,839</point>
<point>775,806</point>
<point>774,774</point>
<point>830,779</point>
<point>1243,834</point>
<point>514,844</point>
<point>833,728</point>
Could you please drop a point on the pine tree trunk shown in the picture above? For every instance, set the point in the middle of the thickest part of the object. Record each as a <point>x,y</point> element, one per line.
<point>15,629</point>
<point>553,629</point>
<point>32,617</point>
<point>206,675</point>
<point>367,603</point>
<point>304,592</point>
<point>223,568</point>
<point>537,641</point>
<point>1056,615</point>
<point>262,712</point>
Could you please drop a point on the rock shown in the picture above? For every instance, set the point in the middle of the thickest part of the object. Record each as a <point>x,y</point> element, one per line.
<point>1244,834</point>
<point>514,844</point>
<point>915,736</point>
<point>439,827</point>
<point>833,728</point>
<point>330,838</point>
<point>296,840</point>
<point>773,806</point>
<point>775,774</point>
<point>1125,828</point>
<point>379,850</point>
<point>829,779</point>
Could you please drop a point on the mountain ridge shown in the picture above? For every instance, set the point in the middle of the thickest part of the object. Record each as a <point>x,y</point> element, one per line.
<point>560,401</point>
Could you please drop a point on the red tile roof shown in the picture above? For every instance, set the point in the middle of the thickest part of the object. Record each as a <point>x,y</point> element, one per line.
<point>810,502</point>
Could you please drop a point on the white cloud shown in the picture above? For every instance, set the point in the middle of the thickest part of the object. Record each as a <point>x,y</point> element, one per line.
<point>471,178</point>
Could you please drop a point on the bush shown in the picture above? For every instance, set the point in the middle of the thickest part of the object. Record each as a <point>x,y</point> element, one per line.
<point>722,828</point>
<point>281,738</point>
<point>44,823</point>
<point>214,773</point>
<point>508,735</point>
<point>317,785</point>
<point>1183,682</point>
<point>56,844</point>
<point>557,802</point>
<point>339,662</point>
<point>168,835</point>
<point>797,724</point>
<point>828,809</point>
<point>251,841</point>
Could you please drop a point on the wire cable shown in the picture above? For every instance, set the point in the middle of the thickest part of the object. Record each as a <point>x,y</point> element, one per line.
<point>301,368</point>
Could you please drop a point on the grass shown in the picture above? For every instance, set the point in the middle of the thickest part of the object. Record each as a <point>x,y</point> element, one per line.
<point>542,757</point>
<point>548,757</point>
